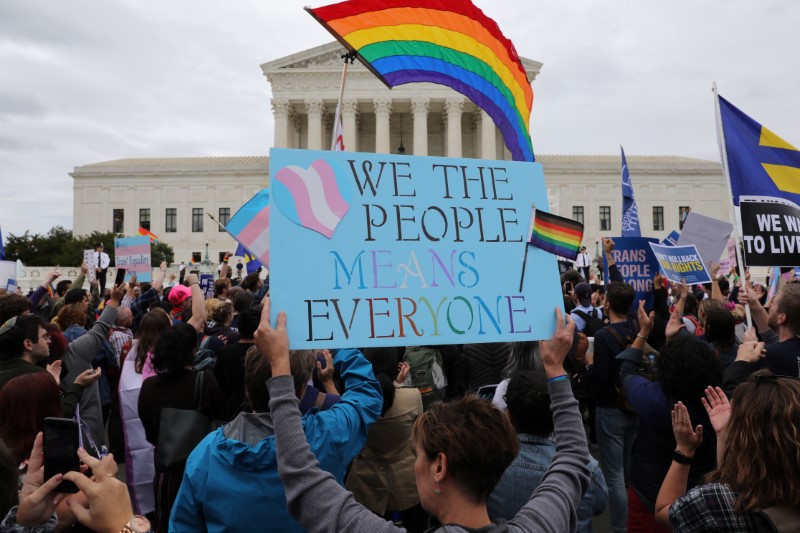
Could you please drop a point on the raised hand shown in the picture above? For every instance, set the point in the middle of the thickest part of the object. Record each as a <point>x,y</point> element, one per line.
<point>109,504</point>
<point>273,343</point>
<point>325,374</point>
<point>554,350</point>
<point>87,377</point>
<point>646,321</point>
<point>37,501</point>
<point>675,324</point>
<point>54,369</point>
<point>751,352</point>
<point>403,369</point>
<point>687,440</point>
<point>750,335</point>
<point>718,408</point>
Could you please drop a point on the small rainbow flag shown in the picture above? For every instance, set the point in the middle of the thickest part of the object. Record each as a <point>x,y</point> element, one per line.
<point>449,42</point>
<point>147,233</point>
<point>555,234</point>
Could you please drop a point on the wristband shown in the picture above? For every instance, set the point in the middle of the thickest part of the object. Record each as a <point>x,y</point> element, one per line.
<point>640,336</point>
<point>195,283</point>
<point>680,458</point>
<point>562,377</point>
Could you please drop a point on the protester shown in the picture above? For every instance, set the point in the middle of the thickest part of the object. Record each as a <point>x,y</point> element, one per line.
<point>484,363</point>
<point>139,462</point>
<point>685,366</point>
<point>174,387</point>
<point>756,485</point>
<point>25,402</point>
<point>242,454</point>
<point>382,475</point>
<point>616,422</point>
<point>454,473</point>
<point>229,368</point>
<point>528,403</point>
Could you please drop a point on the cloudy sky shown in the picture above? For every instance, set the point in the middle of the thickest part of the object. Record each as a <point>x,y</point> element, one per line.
<point>87,81</point>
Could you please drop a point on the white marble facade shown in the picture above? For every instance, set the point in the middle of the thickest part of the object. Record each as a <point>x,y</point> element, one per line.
<point>425,119</point>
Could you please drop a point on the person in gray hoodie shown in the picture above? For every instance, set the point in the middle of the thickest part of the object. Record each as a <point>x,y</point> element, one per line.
<point>463,447</point>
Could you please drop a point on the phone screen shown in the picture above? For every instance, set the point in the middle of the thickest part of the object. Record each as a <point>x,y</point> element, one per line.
<point>61,450</point>
<point>120,276</point>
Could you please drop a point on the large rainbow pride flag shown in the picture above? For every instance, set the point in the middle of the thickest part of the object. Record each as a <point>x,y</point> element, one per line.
<point>449,42</point>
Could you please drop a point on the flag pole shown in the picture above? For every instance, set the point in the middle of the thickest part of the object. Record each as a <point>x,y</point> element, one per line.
<point>349,57</point>
<point>527,245</point>
<point>724,155</point>
<point>216,221</point>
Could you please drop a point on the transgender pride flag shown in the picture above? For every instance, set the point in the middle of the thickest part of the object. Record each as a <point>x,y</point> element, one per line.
<point>250,226</point>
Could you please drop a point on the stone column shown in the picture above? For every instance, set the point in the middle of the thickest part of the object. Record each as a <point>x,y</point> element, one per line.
<point>383,110</point>
<point>454,108</point>
<point>350,130</point>
<point>281,109</point>
<point>488,137</point>
<point>314,109</point>
<point>419,111</point>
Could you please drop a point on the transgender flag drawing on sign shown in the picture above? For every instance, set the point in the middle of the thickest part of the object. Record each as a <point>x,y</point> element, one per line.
<point>250,226</point>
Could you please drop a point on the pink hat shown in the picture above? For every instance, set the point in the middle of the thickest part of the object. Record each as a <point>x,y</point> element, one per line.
<point>179,293</point>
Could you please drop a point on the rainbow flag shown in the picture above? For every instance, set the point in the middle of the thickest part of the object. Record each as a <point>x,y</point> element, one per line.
<point>147,233</point>
<point>555,234</point>
<point>250,226</point>
<point>449,42</point>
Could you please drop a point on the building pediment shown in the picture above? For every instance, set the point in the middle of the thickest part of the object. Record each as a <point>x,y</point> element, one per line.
<point>328,57</point>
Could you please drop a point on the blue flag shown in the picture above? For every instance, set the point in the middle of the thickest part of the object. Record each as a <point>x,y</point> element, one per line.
<point>630,214</point>
<point>759,162</point>
<point>250,261</point>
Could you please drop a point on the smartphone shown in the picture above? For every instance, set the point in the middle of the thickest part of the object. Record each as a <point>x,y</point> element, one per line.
<point>120,276</point>
<point>61,450</point>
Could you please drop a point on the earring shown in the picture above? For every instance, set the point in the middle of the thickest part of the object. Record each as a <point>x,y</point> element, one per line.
<point>436,488</point>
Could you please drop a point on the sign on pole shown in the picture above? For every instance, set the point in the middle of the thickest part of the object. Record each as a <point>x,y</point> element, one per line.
<point>770,233</point>
<point>388,250</point>
<point>681,264</point>
<point>708,234</point>
<point>8,275</point>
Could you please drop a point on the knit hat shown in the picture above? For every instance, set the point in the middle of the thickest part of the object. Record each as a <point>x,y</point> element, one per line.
<point>178,294</point>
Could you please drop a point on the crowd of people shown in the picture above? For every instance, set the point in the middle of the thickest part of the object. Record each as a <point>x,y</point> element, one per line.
<point>693,418</point>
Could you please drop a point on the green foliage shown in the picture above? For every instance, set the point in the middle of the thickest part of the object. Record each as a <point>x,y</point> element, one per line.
<point>60,247</point>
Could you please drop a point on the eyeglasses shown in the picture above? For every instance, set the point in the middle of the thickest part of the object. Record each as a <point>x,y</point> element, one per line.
<point>8,325</point>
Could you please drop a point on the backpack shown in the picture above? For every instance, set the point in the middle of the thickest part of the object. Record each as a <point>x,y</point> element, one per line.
<point>593,322</point>
<point>204,359</point>
<point>647,368</point>
<point>699,331</point>
<point>426,373</point>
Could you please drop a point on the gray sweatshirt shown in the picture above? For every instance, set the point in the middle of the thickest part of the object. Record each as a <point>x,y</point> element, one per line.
<point>319,504</point>
<point>78,358</point>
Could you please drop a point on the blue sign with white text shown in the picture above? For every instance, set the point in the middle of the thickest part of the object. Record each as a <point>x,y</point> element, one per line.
<point>391,250</point>
<point>681,264</point>
<point>638,266</point>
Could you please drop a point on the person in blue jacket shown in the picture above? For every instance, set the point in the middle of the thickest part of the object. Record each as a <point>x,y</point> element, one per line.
<point>231,481</point>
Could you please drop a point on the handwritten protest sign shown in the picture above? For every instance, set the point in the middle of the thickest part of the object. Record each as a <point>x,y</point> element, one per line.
<point>771,234</point>
<point>671,239</point>
<point>386,250</point>
<point>90,258</point>
<point>637,264</point>
<point>8,275</point>
<point>727,264</point>
<point>709,235</point>
<point>133,254</point>
<point>681,264</point>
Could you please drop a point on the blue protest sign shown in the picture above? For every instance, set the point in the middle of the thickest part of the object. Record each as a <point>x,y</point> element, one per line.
<point>637,264</point>
<point>671,239</point>
<point>207,285</point>
<point>389,250</point>
<point>681,264</point>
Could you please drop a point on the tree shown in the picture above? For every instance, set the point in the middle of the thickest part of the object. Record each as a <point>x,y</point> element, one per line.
<point>60,247</point>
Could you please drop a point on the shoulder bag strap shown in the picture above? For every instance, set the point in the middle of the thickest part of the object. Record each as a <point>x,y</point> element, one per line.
<point>198,390</point>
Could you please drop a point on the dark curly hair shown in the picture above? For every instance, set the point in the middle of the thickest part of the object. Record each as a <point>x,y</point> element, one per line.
<point>686,365</point>
<point>528,404</point>
<point>12,305</point>
<point>175,349</point>
<point>720,328</point>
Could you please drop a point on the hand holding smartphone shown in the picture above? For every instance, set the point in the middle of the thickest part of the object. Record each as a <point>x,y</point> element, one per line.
<point>61,450</point>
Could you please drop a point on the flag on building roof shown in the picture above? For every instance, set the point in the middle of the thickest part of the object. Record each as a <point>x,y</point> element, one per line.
<point>449,42</point>
<point>759,162</point>
<point>555,234</point>
<point>250,226</point>
<point>251,263</point>
<point>147,233</point>
<point>630,213</point>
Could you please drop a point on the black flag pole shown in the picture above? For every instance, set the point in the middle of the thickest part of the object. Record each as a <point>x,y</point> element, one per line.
<point>525,255</point>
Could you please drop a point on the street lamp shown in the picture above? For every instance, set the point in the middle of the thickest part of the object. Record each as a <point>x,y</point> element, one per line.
<point>207,260</point>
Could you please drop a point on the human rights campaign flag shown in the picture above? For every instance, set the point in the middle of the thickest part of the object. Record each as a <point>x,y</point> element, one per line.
<point>759,162</point>
<point>630,214</point>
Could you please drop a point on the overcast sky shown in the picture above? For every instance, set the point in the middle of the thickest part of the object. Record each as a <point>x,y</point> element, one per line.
<point>87,81</point>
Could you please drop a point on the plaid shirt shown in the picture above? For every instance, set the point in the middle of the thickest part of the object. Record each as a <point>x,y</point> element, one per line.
<point>709,507</point>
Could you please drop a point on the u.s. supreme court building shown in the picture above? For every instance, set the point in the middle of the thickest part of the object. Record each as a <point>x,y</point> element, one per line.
<point>170,196</point>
